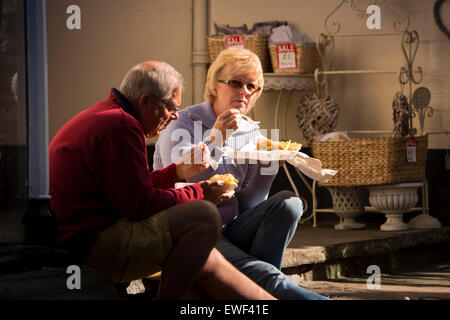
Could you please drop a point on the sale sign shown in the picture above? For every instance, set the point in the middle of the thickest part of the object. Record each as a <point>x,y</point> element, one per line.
<point>235,41</point>
<point>286,56</point>
<point>411,150</point>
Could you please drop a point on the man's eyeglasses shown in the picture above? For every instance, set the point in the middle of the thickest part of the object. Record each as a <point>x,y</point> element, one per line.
<point>236,84</point>
<point>170,107</point>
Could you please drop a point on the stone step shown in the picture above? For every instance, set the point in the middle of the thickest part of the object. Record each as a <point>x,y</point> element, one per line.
<point>427,283</point>
<point>325,253</point>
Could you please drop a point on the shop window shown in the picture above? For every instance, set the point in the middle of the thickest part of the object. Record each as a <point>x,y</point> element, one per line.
<point>13,121</point>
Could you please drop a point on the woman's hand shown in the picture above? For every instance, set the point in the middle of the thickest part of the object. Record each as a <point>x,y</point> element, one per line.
<point>193,162</point>
<point>226,123</point>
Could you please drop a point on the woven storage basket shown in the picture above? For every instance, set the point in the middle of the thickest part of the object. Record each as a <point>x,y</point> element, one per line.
<point>308,59</point>
<point>371,161</point>
<point>254,42</point>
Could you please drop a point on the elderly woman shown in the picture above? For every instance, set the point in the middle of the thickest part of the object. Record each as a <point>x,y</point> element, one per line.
<point>256,229</point>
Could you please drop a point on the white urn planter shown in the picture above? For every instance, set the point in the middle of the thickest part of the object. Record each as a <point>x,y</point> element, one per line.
<point>394,200</point>
<point>347,204</point>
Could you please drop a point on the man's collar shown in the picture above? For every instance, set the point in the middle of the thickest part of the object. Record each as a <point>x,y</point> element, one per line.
<point>126,104</point>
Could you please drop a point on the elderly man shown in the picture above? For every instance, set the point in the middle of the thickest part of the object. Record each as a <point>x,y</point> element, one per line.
<point>126,221</point>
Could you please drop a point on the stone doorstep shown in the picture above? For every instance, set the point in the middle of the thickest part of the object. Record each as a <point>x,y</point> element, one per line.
<point>350,252</point>
<point>382,243</point>
<point>52,284</point>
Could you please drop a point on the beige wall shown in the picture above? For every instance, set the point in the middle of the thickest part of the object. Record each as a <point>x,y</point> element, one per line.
<point>365,100</point>
<point>434,57</point>
<point>84,64</point>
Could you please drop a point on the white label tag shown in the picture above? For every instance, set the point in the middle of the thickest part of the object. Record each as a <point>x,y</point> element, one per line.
<point>411,150</point>
<point>286,56</point>
<point>237,41</point>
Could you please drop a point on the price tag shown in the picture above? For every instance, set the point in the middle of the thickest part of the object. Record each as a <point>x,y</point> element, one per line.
<point>236,41</point>
<point>411,150</point>
<point>286,56</point>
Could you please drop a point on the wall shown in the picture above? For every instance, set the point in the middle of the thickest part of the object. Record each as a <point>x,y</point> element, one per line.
<point>84,64</point>
<point>365,100</point>
<point>434,57</point>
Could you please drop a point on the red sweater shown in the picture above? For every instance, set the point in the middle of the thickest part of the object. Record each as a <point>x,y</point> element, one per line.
<point>99,173</point>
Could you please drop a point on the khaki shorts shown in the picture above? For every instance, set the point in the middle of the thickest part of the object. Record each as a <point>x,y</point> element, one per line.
<point>129,250</point>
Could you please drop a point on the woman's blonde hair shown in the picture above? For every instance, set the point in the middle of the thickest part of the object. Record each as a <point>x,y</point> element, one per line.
<point>240,61</point>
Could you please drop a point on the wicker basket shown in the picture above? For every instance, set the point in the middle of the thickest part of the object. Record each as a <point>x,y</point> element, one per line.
<point>371,161</point>
<point>307,58</point>
<point>254,42</point>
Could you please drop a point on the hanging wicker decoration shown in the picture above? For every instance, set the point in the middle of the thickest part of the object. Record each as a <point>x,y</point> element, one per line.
<point>401,114</point>
<point>316,116</point>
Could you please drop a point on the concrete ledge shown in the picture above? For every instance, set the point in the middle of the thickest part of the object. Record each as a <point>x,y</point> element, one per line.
<point>51,284</point>
<point>321,245</point>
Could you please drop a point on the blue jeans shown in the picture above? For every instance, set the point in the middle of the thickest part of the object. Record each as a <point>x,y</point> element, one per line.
<point>255,242</point>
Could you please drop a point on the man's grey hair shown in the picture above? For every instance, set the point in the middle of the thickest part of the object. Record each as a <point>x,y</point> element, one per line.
<point>157,78</point>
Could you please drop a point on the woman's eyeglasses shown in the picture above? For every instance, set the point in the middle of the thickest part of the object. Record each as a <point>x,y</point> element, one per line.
<point>236,84</point>
<point>170,107</point>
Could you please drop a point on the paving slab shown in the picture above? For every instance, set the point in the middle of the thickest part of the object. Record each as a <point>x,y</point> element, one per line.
<point>325,245</point>
<point>319,245</point>
<point>428,283</point>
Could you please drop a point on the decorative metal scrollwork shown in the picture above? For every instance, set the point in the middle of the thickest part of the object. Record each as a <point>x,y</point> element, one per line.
<point>410,44</point>
<point>334,27</point>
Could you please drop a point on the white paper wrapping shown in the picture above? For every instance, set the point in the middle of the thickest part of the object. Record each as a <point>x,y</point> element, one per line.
<point>288,34</point>
<point>310,167</point>
<point>179,185</point>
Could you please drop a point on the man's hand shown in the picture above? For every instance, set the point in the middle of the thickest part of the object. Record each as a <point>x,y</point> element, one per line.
<point>213,191</point>
<point>267,164</point>
<point>226,123</point>
<point>192,162</point>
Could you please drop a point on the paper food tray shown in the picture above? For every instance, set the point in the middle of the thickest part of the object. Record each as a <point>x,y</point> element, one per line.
<point>310,167</point>
<point>261,155</point>
<point>249,152</point>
